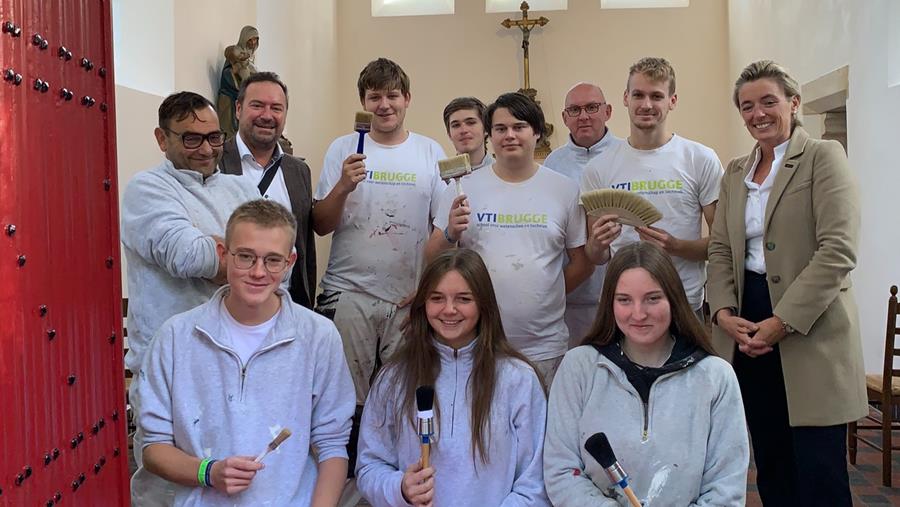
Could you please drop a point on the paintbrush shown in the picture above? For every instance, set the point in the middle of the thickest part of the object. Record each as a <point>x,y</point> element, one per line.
<point>362,124</point>
<point>425,414</point>
<point>455,168</point>
<point>281,437</point>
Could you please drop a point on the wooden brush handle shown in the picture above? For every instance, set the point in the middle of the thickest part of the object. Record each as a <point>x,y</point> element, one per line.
<point>426,454</point>
<point>632,499</point>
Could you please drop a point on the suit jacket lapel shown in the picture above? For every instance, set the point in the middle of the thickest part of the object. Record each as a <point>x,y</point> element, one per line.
<point>231,159</point>
<point>786,171</point>
<point>739,204</point>
<point>292,182</point>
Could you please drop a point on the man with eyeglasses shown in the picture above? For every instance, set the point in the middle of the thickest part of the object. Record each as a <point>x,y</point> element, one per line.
<point>219,382</point>
<point>254,153</point>
<point>172,218</point>
<point>585,114</point>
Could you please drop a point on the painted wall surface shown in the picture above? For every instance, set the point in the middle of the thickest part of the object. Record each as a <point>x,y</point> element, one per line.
<point>813,38</point>
<point>144,33</point>
<point>469,53</point>
<point>297,40</point>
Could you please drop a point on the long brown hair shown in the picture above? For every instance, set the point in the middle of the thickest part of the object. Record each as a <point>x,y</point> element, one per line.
<point>417,361</point>
<point>652,258</point>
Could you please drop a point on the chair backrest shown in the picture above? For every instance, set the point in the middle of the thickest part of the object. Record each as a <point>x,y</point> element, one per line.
<point>890,349</point>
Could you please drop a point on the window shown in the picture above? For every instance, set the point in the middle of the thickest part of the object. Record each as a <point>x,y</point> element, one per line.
<point>642,4</point>
<point>533,5</point>
<point>384,8</point>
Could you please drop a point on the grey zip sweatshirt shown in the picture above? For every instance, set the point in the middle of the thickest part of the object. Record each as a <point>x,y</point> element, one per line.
<point>197,396</point>
<point>513,476</point>
<point>687,447</point>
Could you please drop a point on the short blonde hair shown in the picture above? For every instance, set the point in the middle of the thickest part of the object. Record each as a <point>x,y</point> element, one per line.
<point>767,69</point>
<point>264,213</point>
<point>658,70</point>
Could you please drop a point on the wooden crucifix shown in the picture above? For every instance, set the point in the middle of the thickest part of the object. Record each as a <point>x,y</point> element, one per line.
<point>527,25</point>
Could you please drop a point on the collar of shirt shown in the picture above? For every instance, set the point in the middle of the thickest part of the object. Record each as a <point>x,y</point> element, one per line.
<point>244,153</point>
<point>607,137</point>
<point>780,151</point>
<point>186,176</point>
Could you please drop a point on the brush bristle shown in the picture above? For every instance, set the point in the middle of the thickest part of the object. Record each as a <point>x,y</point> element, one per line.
<point>424,398</point>
<point>282,436</point>
<point>455,167</point>
<point>598,447</point>
<point>631,208</point>
<point>363,121</point>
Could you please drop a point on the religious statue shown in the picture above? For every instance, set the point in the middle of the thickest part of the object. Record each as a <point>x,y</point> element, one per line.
<point>239,59</point>
<point>527,25</point>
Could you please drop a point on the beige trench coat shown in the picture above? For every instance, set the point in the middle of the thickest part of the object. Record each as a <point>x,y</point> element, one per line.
<point>810,237</point>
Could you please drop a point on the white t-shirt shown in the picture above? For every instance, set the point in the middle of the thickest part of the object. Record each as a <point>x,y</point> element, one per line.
<point>522,231</point>
<point>570,160</point>
<point>245,340</point>
<point>379,243</point>
<point>679,178</point>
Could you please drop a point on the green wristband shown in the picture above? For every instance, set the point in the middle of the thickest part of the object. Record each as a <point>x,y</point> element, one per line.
<point>201,472</point>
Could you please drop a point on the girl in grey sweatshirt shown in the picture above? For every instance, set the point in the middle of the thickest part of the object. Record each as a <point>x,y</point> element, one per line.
<point>646,378</point>
<point>490,408</point>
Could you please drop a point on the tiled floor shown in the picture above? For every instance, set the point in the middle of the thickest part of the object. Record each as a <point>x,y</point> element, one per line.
<point>865,481</point>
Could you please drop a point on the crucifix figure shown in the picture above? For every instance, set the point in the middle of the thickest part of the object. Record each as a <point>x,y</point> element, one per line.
<point>527,25</point>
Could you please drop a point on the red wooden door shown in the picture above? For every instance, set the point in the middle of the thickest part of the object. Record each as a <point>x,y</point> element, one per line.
<point>62,426</point>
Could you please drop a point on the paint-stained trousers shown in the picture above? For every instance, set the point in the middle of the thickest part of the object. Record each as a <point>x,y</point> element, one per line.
<point>370,329</point>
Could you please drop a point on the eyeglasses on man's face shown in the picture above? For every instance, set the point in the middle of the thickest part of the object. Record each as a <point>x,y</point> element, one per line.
<point>274,264</point>
<point>592,108</point>
<point>193,140</point>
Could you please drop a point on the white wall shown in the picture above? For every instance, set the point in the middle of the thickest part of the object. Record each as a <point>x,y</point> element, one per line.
<point>469,53</point>
<point>179,46</point>
<point>812,38</point>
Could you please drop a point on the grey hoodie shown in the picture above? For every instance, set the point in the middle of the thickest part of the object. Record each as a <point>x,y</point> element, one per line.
<point>690,450</point>
<point>513,475</point>
<point>197,396</point>
<point>168,217</point>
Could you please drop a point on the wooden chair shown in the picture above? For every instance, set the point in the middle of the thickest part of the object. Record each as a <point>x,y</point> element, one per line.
<point>884,391</point>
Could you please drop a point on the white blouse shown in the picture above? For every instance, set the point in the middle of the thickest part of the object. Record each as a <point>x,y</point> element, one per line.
<point>755,209</point>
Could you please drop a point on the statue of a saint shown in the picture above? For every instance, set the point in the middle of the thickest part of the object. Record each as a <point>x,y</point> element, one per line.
<point>238,66</point>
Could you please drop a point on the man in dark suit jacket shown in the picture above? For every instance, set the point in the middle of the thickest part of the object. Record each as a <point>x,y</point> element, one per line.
<point>255,154</point>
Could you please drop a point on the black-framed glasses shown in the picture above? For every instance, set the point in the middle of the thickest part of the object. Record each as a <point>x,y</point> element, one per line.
<point>274,264</point>
<point>591,108</point>
<point>193,140</point>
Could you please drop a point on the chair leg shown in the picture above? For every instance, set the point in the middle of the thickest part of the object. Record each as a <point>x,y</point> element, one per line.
<point>852,442</point>
<point>886,444</point>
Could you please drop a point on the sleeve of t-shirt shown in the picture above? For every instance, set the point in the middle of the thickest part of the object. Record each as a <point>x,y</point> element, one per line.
<point>442,214</point>
<point>710,178</point>
<point>331,169</point>
<point>576,230</point>
<point>438,186</point>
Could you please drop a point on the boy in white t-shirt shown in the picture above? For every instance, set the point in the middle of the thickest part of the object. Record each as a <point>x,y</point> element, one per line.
<point>679,176</point>
<point>379,207</point>
<point>463,119</point>
<point>524,220</point>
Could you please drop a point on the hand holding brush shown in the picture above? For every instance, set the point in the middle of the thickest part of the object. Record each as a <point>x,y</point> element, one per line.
<point>281,437</point>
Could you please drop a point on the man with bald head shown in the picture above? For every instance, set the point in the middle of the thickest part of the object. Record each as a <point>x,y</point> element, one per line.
<point>585,114</point>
